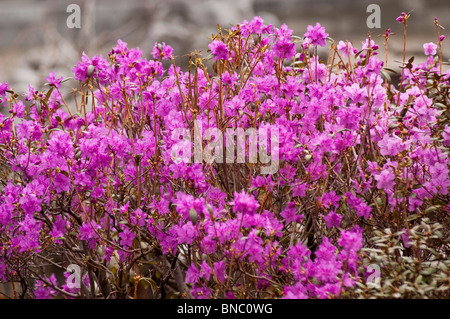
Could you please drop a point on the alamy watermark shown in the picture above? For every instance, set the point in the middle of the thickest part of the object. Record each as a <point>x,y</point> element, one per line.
<point>74,279</point>
<point>74,19</point>
<point>228,146</point>
<point>374,19</point>
<point>374,278</point>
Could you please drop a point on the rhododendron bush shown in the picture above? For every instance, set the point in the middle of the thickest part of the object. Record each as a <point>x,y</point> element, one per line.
<point>101,196</point>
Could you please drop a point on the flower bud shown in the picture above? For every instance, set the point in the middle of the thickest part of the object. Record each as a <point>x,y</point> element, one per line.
<point>90,70</point>
<point>194,216</point>
<point>211,212</point>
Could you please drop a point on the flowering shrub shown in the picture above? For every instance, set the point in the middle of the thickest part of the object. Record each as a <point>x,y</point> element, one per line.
<point>97,184</point>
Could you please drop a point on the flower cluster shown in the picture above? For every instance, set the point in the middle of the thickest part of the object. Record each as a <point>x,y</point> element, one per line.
<point>95,183</point>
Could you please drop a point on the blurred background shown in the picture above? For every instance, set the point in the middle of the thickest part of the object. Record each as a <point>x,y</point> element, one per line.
<point>35,38</point>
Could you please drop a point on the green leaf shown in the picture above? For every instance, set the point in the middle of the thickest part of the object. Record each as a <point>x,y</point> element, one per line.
<point>432,209</point>
<point>391,70</point>
<point>67,79</point>
<point>386,75</point>
<point>428,271</point>
<point>38,107</point>
<point>418,280</point>
<point>440,105</point>
<point>379,202</point>
<point>48,94</point>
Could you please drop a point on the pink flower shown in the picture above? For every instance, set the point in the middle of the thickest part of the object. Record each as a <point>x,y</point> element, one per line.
<point>290,213</point>
<point>5,213</point>
<point>402,18</point>
<point>186,233</point>
<point>405,238</point>
<point>28,129</point>
<point>54,81</point>
<point>299,189</point>
<point>205,270</point>
<point>219,50</point>
<point>346,49</point>
<point>440,177</point>
<point>316,34</point>
<point>388,32</point>
<point>429,48</point>
<point>61,144</point>
<point>391,145</point>
<point>59,229</point>
<point>244,203</point>
<point>3,88</point>
<point>363,210</point>
<point>351,240</point>
<point>297,291</point>
<point>330,198</point>
<point>257,25</point>
<point>385,180</point>
<point>42,291</point>
<point>332,219</point>
<point>162,51</point>
<point>137,217</point>
<point>284,48</point>
<point>220,270</point>
<point>192,274</point>
<point>30,203</point>
<point>18,109</point>
<point>62,183</point>
<point>126,238</point>
<point>446,135</point>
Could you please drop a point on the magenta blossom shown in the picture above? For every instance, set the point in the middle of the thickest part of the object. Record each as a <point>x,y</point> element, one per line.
<point>126,238</point>
<point>162,51</point>
<point>18,109</point>
<point>429,48</point>
<point>53,81</point>
<point>290,213</point>
<point>219,50</point>
<point>351,240</point>
<point>192,274</point>
<point>385,180</point>
<point>346,49</point>
<point>205,270</point>
<point>244,203</point>
<point>284,48</point>
<point>402,18</point>
<point>316,34</point>
<point>220,270</point>
<point>3,88</point>
<point>333,219</point>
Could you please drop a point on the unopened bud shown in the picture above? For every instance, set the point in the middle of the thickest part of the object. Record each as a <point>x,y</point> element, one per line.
<point>211,212</point>
<point>90,70</point>
<point>194,216</point>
